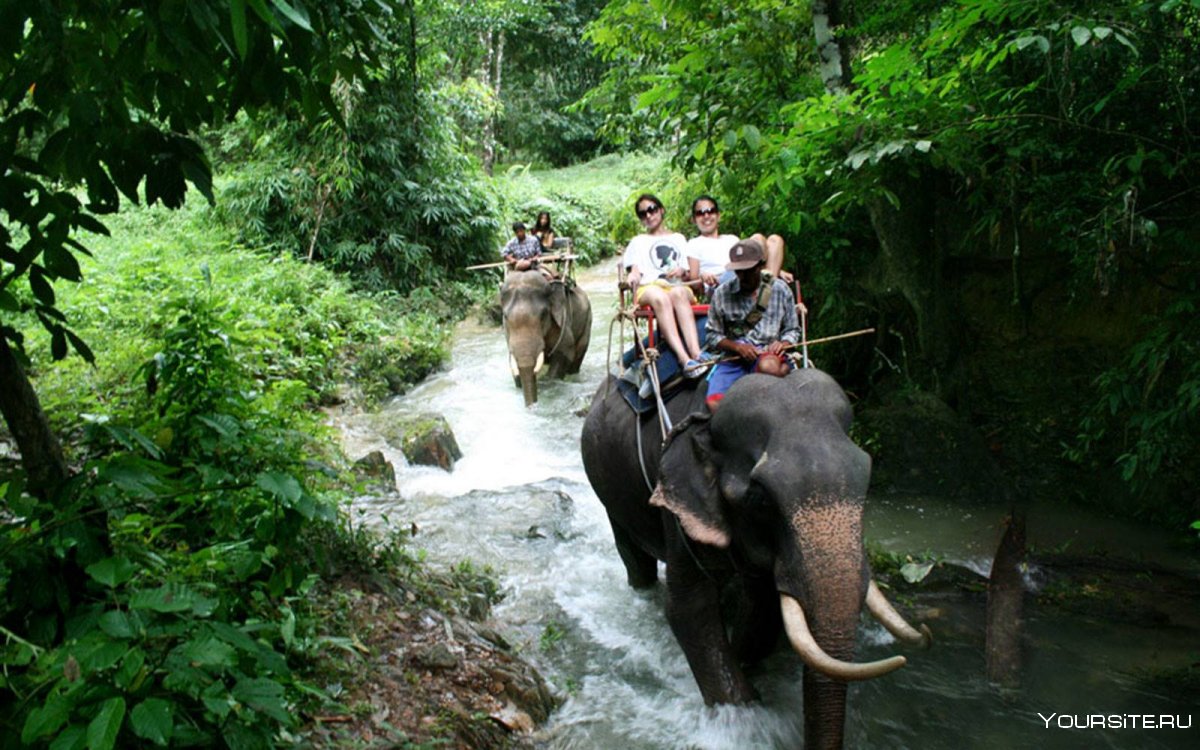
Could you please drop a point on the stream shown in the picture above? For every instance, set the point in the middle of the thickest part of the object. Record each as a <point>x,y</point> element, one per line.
<point>519,502</point>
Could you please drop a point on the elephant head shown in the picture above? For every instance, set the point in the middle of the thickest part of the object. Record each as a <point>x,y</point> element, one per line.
<point>770,489</point>
<point>546,323</point>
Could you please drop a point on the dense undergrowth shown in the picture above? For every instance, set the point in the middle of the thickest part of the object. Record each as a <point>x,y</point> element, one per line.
<point>171,591</point>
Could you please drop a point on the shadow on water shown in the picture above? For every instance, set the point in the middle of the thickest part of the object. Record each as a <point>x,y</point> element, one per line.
<point>518,501</point>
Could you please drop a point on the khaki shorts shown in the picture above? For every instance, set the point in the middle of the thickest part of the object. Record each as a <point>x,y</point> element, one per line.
<point>662,284</point>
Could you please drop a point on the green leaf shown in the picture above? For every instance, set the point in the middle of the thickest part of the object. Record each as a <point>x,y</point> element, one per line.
<point>915,572</point>
<point>102,732</point>
<point>298,16</point>
<point>752,137</point>
<point>170,597</point>
<point>264,696</point>
<point>91,224</point>
<point>130,675</point>
<point>208,652</point>
<point>61,263</point>
<point>45,719</point>
<point>116,623</point>
<point>282,486</point>
<point>73,737</point>
<point>80,346</point>
<point>58,343</point>
<point>112,571</point>
<point>153,719</point>
<point>237,18</point>
<point>40,286</point>
<point>1082,35</point>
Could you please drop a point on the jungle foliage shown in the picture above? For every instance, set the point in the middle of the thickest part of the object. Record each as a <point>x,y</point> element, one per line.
<point>1053,143</point>
<point>155,580</point>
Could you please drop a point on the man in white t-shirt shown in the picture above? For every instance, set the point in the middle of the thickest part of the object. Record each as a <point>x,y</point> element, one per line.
<point>657,269</point>
<point>709,251</point>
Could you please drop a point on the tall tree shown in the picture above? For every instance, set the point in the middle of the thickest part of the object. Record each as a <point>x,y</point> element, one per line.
<point>104,97</point>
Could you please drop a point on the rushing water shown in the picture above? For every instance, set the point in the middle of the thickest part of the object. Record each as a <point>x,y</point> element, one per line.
<point>519,501</point>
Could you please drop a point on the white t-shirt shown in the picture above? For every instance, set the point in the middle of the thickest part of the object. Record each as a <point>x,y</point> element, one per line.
<point>712,252</point>
<point>656,254</point>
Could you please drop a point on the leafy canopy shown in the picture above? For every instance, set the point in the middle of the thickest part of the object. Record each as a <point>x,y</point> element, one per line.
<point>106,95</point>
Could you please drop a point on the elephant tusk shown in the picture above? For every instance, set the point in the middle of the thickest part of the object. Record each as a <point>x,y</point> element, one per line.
<point>882,609</point>
<point>512,365</point>
<point>815,657</point>
<point>541,360</point>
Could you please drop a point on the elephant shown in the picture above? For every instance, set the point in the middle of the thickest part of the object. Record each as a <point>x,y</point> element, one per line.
<point>757,512</point>
<point>546,322</point>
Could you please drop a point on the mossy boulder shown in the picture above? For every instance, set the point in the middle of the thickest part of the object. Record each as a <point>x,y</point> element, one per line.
<point>375,468</point>
<point>921,446</point>
<point>425,439</point>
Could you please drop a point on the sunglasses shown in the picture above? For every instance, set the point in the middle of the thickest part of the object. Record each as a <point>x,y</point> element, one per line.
<point>705,211</point>
<point>644,212</point>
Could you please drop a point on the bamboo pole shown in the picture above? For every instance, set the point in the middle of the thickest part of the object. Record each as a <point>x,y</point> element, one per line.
<point>810,342</point>
<point>541,258</point>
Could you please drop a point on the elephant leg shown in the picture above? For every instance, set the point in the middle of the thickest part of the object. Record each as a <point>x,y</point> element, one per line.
<point>641,569</point>
<point>754,618</point>
<point>694,612</point>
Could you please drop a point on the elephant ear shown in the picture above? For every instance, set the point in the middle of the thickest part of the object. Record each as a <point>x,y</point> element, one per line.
<point>687,483</point>
<point>558,302</point>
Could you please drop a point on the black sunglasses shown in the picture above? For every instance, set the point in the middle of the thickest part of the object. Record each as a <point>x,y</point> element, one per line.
<point>644,212</point>
<point>706,211</point>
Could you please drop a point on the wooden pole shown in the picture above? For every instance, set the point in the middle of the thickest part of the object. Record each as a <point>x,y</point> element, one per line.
<point>540,258</point>
<point>810,342</point>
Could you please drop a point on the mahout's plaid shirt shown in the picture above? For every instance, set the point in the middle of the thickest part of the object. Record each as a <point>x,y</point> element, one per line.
<point>733,315</point>
<point>530,247</point>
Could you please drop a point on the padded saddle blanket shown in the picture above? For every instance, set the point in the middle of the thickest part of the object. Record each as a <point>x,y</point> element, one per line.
<point>670,374</point>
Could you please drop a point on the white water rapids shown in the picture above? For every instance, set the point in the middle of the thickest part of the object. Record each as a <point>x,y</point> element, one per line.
<point>519,502</point>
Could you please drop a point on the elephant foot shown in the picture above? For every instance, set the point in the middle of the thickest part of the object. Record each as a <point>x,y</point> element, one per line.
<point>641,581</point>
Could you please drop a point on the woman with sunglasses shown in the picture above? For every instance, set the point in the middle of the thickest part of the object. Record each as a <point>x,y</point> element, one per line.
<point>657,272</point>
<point>709,251</point>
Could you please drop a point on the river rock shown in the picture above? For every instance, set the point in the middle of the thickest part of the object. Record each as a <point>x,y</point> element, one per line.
<point>425,439</point>
<point>374,466</point>
<point>921,446</point>
<point>437,656</point>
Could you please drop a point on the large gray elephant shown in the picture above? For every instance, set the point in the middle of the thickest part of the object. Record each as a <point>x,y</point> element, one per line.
<point>546,322</point>
<point>757,512</point>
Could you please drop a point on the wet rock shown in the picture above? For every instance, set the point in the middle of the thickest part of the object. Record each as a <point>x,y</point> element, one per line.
<point>425,439</point>
<point>538,513</point>
<point>374,466</point>
<point>921,446</point>
<point>437,656</point>
<point>525,689</point>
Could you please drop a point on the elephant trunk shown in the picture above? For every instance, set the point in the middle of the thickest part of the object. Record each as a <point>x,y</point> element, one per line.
<point>822,566</point>
<point>528,376</point>
<point>526,359</point>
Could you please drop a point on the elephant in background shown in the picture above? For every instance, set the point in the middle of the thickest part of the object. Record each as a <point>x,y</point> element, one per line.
<point>757,512</point>
<point>546,322</point>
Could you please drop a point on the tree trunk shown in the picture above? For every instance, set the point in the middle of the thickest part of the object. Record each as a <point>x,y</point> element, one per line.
<point>41,453</point>
<point>1005,605</point>
<point>488,72</point>
<point>910,263</point>
<point>835,58</point>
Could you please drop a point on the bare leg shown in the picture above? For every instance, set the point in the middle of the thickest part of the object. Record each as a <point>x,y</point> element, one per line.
<point>775,251</point>
<point>661,303</point>
<point>681,299</point>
